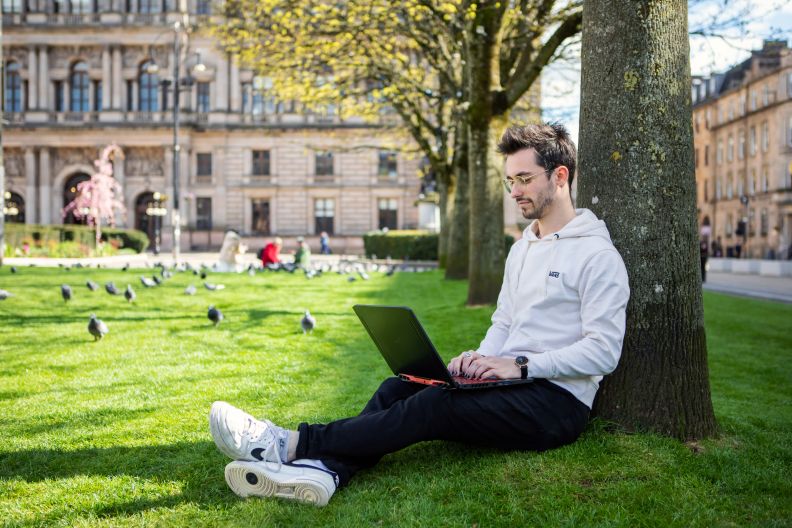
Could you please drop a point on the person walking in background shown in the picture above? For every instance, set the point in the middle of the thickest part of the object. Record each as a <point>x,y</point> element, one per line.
<point>704,255</point>
<point>324,243</point>
<point>302,257</point>
<point>271,252</point>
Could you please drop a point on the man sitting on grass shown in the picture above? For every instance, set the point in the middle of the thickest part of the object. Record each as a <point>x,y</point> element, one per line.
<point>559,319</point>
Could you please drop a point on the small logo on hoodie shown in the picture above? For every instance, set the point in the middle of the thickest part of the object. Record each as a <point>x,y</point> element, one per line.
<point>554,274</point>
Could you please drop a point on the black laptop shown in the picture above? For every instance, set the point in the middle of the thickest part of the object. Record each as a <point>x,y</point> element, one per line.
<point>409,352</point>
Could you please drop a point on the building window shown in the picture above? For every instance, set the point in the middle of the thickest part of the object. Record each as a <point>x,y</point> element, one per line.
<point>765,178</point>
<point>729,186</point>
<point>731,111</point>
<point>97,106</point>
<point>706,155</point>
<point>148,98</point>
<point>150,6</point>
<point>741,144</point>
<point>789,84</point>
<point>246,89</point>
<point>789,131</point>
<point>706,189</point>
<point>765,136</point>
<point>729,225</point>
<point>752,182</point>
<point>261,163</point>
<point>730,148</point>
<point>696,158</point>
<point>202,89</point>
<point>743,103</point>
<point>388,166</point>
<point>12,6</point>
<point>741,187</point>
<point>753,100</point>
<point>203,165</point>
<point>718,188</point>
<point>387,213</point>
<point>766,95</point>
<point>203,213</point>
<point>763,222</point>
<point>324,212</point>
<point>263,101</point>
<point>57,88</point>
<point>130,100</point>
<point>324,164</point>
<point>261,217</point>
<point>203,7</point>
<point>752,141</point>
<point>719,153</point>
<point>78,82</point>
<point>13,88</point>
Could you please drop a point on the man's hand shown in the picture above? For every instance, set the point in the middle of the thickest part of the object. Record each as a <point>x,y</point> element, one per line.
<point>493,367</point>
<point>460,364</point>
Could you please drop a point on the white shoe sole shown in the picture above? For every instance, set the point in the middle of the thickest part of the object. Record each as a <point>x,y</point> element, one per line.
<point>248,479</point>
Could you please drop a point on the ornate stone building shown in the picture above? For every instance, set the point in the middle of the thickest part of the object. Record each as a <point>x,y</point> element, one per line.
<point>742,122</point>
<point>81,74</point>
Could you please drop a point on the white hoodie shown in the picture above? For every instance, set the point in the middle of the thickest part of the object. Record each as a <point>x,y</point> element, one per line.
<point>562,304</point>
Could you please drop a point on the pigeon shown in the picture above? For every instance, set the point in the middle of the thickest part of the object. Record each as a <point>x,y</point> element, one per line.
<point>66,292</point>
<point>111,289</point>
<point>166,274</point>
<point>391,271</point>
<point>351,278</point>
<point>214,315</point>
<point>67,268</point>
<point>92,285</point>
<point>126,267</point>
<point>363,275</point>
<point>308,322</point>
<point>148,283</point>
<point>4,295</point>
<point>189,290</point>
<point>97,328</point>
<point>195,272</point>
<point>129,293</point>
<point>212,287</point>
<point>156,279</point>
<point>13,269</point>
<point>203,274</point>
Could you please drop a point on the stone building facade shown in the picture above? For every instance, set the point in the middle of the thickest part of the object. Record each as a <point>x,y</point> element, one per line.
<point>81,74</point>
<point>742,122</point>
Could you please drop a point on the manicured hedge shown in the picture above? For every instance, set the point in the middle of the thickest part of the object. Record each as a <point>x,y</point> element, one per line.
<point>17,234</point>
<point>412,245</point>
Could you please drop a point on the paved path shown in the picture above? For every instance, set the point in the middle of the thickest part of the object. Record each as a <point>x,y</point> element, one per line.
<point>757,286</point>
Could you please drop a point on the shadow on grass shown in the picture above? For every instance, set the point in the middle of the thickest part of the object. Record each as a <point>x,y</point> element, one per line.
<point>196,465</point>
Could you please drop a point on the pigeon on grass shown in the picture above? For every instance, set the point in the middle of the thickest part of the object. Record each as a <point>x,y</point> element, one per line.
<point>129,293</point>
<point>308,322</point>
<point>111,289</point>
<point>189,290</point>
<point>214,315</point>
<point>148,283</point>
<point>4,295</point>
<point>91,285</point>
<point>213,287</point>
<point>66,292</point>
<point>97,328</point>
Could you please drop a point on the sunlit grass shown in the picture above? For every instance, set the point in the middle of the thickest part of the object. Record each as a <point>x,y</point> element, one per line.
<point>114,433</point>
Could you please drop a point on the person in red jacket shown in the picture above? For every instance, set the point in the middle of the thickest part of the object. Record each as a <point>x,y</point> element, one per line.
<point>271,252</point>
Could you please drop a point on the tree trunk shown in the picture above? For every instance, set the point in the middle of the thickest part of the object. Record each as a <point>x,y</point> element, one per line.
<point>446,189</point>
<point>485,271</point>
<point>637,174</point>
<point>459,228</point>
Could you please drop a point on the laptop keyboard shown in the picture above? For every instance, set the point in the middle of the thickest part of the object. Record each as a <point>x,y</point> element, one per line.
<point>461,380</point>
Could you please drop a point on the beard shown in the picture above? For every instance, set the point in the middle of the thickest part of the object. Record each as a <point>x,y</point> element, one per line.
<point>540,205</point>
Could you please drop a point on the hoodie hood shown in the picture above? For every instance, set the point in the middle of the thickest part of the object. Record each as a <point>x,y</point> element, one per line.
<point>584,224</point>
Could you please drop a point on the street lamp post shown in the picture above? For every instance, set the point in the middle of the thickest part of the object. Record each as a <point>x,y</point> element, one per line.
<point>156,211</point>
<point>176,218</point>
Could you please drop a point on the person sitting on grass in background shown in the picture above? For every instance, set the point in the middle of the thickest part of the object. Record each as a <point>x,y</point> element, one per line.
<point>302,257</point>
<point>271,252</point>
<point>560,319</point>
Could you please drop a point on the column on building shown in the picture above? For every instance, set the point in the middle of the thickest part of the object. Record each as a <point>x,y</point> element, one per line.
<point>107,84</point>
<point>43,94</point>
<point>45,187</point>
<point>122,220</point>
<point>33,76</point>
<point>235,87</point>
<point>30,186</point>
<point>168,172</point>
<point>117,105</point>
<point>221,85</point>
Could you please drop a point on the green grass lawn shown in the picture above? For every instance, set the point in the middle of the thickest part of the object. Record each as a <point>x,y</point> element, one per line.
<point>115,433</point>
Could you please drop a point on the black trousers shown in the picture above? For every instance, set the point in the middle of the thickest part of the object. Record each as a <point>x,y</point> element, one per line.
<point>535,416</point>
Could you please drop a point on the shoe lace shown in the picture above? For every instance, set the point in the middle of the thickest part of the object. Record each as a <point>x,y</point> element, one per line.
<point>256,431</point>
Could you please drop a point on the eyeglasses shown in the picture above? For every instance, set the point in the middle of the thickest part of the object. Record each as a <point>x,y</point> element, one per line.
<point>509,182</point>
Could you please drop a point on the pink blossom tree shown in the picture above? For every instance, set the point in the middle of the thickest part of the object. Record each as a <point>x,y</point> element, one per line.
<point>97,198</point>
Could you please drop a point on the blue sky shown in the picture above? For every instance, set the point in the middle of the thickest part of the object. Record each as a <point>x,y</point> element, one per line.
<point>747,23</point>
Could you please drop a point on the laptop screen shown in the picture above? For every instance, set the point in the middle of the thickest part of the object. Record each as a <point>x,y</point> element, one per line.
<point>402,341</point>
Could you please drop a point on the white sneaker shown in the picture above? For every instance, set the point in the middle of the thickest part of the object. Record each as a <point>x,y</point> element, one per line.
<point>299,480</point>
<point>241,437</point>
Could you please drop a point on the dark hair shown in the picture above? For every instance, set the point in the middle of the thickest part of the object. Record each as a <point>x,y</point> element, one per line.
<point>550,141</point>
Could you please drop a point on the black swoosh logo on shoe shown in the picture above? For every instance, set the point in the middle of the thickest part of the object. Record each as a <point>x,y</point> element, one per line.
<point>257,453</point>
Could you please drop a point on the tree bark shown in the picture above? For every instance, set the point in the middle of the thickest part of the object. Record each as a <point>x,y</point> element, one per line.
<point>486,255</point>
<point>446,190</point>
<point>459,228</point>
<point>637,174</point>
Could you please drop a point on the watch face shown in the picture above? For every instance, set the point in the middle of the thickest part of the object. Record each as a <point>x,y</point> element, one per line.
<point>520,361</point>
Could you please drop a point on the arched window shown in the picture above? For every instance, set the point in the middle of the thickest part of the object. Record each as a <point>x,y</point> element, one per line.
<point>14,208</point>
<point>13,88</point>
<point>149,95</point>
<point>70,193</point>
<point>79,87</point>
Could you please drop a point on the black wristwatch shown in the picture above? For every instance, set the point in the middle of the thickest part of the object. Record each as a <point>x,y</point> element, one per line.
<point>522,362</point>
